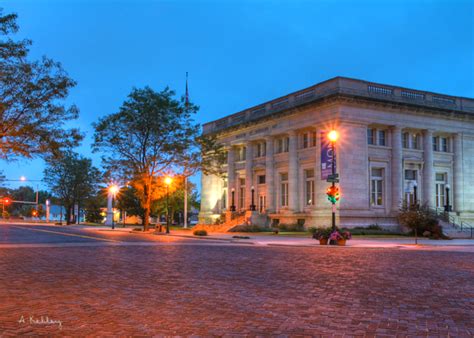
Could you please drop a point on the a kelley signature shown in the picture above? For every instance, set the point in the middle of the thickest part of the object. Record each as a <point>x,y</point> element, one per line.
<point>43,320</point>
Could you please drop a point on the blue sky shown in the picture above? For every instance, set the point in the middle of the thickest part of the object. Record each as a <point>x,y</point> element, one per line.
<point>241,53</point>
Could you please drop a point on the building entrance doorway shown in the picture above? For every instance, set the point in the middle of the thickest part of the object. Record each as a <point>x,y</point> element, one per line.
<point>440,197</point>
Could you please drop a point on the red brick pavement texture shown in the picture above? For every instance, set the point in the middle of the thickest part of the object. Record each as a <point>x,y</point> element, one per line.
<point>236,290</point>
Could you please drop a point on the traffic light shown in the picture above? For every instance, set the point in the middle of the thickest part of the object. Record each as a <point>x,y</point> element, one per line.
<point>333,194</point>
<point>6,200</point>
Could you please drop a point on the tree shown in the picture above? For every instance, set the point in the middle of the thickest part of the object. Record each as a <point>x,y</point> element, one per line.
<point>146,138</point>
<point>31,112</point>
<point>128,200</point>
<point>176,198</point>
<point>72,179</point>
<point>93,207</point>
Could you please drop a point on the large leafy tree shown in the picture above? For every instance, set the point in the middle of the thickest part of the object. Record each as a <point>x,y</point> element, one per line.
<point>152,134</point>
<point>72,179</point>
<point>32,114</point>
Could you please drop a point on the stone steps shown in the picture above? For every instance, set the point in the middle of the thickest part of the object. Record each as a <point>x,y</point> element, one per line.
<point>223,227</point>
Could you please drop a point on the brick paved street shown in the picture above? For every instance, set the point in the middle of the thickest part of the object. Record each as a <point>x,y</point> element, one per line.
<point>186,287</point>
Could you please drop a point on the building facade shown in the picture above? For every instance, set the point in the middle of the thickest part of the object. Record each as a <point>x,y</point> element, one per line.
<point>392,140</point>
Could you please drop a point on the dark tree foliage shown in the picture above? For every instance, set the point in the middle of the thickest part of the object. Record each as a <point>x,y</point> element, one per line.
<point>72,179</point>
<point>93,207</point>
<point>24,194</point>
<point>152,134</point>
<point>32,114</point>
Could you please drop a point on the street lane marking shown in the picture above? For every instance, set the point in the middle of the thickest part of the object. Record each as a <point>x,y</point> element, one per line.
<point>69,234</point>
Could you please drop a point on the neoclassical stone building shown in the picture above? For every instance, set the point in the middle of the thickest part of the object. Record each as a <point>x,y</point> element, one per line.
<point>392,140</point>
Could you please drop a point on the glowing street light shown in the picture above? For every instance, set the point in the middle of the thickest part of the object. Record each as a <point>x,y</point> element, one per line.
<point>333,191</point>
<point>333,136</point>
<point>113,190</point>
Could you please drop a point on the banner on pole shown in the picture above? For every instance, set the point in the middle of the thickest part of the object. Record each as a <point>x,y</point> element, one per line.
<point>327,157</point>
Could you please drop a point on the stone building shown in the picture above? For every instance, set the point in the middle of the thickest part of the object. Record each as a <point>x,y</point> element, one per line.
<point>392,140</point>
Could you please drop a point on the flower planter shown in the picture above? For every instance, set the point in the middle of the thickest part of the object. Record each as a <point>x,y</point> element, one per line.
<point>341,242</point>
<point>323,241</point>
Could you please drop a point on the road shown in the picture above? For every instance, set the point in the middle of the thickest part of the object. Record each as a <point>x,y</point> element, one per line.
<point>71,281</point>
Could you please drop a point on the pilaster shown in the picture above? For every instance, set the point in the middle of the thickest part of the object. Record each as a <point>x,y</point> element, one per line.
<point>269,175</point>
<point>397,168</point>
<point>428,171</point>
<point>248,174</point>
<point>293,204</point>
<point>457,174</point>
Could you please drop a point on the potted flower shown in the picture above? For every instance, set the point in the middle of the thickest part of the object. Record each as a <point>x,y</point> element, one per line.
<point>340,237</point>
<point>322,235</point>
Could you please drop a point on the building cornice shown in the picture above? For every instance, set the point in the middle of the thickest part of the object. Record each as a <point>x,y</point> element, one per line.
<point>347,90</point>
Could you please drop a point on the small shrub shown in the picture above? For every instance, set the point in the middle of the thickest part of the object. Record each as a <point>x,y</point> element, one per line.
<point>291,227</point>
<point>200,233</point>
<point>421,220</point>
<point>374,227</point>
<point>249,228</point>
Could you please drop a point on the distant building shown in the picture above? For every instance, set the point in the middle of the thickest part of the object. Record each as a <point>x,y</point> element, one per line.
<point>391,140</point>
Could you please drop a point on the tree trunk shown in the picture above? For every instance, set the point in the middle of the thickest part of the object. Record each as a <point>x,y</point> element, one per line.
<point>68,214</point>
<point>146,206</point>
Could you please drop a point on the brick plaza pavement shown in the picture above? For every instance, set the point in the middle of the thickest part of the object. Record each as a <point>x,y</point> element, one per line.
<point>230,289</point>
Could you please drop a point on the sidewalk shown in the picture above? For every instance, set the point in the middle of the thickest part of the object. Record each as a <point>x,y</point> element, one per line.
<point>466,245</point>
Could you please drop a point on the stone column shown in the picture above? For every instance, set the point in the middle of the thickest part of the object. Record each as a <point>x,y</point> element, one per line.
<point>270,175</point>
<point>110,213</point>
<point>230,176</point>
<point>428,172</point>
<point>248,174</point>
<point>457,174</point>
<point>293,204</point>
<point>397,168</point>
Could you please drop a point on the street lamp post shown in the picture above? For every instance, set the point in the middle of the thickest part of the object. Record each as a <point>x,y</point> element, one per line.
<point>252,206</point>
<point>447,207</point>
<point>168,181</point>
<point>113,189</point>
<point>333,138</point>
<point>232,207</point>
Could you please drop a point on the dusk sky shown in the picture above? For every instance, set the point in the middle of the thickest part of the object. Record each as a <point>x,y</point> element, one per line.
<point>242,53</point>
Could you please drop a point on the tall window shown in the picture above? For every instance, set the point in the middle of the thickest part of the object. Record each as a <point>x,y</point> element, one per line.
<point>309,139</point>
<point>410,175</point>
<point>435,143</point>
<point>406,140</point>
<point>283,144</point>
<point>242,193</point>
<point>376,137</point>
<point>381,138</point>
<point>376,187</point>
<point>416,141</point>
<point>261,149</point>
<point>309,186</point>
<point>224,199</point>
<point>370,136</point>
<point>443,144</point>
<point>284,189</point>
<point>241,153</point>
<point>224,195</point>
<point>261,179</point>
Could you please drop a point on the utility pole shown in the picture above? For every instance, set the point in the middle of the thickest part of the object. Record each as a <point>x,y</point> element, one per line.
<point>185,202</point>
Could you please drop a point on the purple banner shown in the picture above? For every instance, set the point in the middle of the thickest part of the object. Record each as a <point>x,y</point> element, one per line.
<point>326,157</point>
